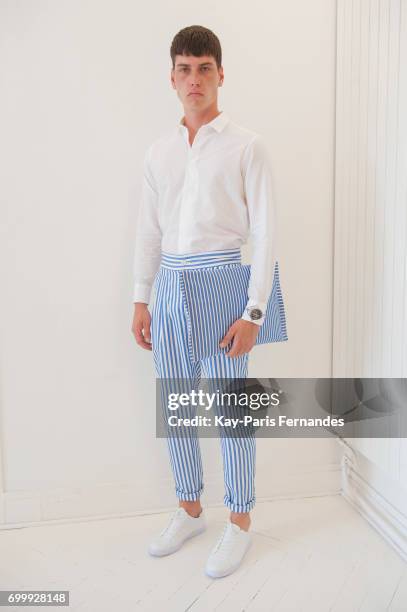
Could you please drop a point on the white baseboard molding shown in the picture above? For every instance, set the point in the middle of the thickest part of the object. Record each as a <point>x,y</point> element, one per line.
<point>388,521</point>
<point>112,500</point>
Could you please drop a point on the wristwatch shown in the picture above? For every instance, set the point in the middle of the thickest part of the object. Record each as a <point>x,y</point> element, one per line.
<point>254,313</point>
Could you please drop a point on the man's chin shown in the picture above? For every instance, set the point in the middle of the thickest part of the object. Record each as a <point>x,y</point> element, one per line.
<point>193,99</point>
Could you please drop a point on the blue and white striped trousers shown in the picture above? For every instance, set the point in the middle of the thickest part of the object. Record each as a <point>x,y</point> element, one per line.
<point>170,336</point>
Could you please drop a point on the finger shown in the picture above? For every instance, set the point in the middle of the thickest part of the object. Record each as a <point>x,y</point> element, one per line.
<point>138,335</point>
<point>235,350</point>
<point>147,333</point>
<point>227,337</point>
<point>140,340</point>
<point>145,345</point>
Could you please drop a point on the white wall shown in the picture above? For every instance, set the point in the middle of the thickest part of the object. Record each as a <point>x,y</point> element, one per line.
<point>85,88</point>
<point>370,331</point>
<point>370,294</point>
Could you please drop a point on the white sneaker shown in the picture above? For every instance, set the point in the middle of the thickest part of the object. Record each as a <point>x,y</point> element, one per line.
<point>229,551</point>
<point>181,527</point>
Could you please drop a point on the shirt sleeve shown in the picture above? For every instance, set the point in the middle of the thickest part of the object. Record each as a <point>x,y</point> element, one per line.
<point>147,252</point>
<point>258,184</point>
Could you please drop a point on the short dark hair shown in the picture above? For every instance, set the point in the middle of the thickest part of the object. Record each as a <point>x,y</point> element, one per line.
<point>196,40</point>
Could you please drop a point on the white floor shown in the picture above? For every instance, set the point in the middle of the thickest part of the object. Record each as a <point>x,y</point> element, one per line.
<point>314,554</point>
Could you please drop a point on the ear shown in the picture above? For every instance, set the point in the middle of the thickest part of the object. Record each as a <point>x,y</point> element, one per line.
<point>221,75</point>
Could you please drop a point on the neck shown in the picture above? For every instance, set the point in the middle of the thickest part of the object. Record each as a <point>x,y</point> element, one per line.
<point>194,119</point>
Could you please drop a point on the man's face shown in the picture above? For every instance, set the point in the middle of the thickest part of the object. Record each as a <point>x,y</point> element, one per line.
<point>196,80</point>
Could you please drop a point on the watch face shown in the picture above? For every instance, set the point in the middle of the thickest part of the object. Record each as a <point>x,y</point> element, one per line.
<point>256,314</point>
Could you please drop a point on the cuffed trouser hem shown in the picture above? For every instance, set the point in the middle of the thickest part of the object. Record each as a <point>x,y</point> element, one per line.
<point>194,496</point>
<point>239,507</point>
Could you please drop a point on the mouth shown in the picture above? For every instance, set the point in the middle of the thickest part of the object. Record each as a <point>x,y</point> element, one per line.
<point>195,93</point>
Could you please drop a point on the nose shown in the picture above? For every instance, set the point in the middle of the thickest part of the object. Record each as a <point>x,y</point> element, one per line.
<point>195,78</point>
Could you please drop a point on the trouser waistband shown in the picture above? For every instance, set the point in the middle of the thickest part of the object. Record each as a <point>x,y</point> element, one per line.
<point>206,259</point>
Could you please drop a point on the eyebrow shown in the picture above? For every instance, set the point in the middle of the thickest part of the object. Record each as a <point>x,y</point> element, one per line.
<point>203,64</point>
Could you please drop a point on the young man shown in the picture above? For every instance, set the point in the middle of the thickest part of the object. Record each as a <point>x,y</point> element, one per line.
<point>206,188</point>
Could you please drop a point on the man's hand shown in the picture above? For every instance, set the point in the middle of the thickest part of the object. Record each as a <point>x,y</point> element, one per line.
<point>244,334</point>
<point>141,325</point>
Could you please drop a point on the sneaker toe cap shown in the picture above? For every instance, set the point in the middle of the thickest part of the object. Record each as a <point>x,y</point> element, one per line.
<point>219,565</point>
<point>217,568</point>
<point>159,547</point>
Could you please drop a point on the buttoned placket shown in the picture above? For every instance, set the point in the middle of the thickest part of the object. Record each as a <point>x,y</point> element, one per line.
<point>190,170</point>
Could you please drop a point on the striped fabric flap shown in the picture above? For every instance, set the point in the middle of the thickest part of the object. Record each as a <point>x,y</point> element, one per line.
<point>216,297</point>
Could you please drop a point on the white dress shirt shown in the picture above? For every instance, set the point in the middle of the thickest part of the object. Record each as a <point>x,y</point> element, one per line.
<point>210,196</point>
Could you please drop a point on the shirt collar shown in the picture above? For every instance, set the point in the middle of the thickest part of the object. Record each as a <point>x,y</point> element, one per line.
<point>218,123</point>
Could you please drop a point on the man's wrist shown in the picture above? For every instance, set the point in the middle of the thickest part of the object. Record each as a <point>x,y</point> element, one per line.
<point>254,312</point>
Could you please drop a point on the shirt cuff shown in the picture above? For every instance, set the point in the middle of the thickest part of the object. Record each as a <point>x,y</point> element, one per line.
<point>141,293</point>
<point>253,304</point>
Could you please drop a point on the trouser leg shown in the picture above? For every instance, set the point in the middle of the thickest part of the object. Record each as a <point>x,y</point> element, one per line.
<point>179,373</point>
<point>238,446</point>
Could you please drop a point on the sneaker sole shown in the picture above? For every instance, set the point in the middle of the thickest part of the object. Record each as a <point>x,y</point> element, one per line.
<point>230,570</point>
<point>180,545</point>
